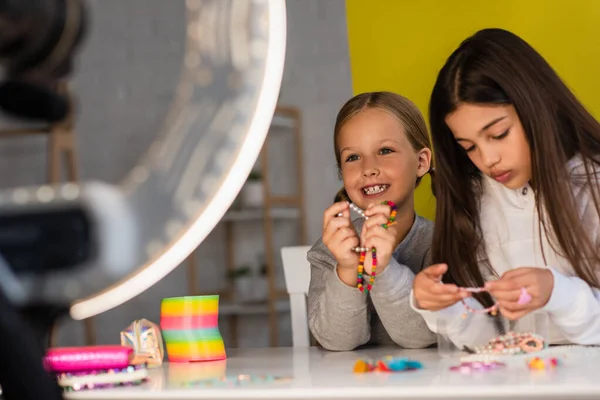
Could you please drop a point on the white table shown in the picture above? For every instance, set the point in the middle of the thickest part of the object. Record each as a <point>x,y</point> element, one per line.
<point>319,374</point>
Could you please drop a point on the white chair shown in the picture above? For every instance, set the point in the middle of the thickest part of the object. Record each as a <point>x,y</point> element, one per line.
<point>297,278</point>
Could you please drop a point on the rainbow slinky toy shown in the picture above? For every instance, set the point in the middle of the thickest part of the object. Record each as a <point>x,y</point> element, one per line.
<point>190,328</point>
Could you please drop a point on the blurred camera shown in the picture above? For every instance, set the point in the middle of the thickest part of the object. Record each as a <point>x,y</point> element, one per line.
<point>38,41</point>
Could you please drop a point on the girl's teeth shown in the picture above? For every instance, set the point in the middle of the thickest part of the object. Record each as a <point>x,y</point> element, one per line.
<point>375,189</point>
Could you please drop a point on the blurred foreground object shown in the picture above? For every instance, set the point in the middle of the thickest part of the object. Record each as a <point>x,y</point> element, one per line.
<point>112,242</point>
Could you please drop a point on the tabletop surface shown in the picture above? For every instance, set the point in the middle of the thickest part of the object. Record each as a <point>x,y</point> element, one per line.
<point>317,373</point>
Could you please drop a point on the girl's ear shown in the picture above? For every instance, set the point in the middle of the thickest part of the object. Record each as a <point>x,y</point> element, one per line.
<point>424,161</point>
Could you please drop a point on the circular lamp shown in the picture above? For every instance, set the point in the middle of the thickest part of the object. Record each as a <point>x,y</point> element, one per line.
<point>138,231</point>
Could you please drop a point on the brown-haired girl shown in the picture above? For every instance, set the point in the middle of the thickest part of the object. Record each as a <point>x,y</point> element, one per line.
<point>517,192</point>
<point>382,151</point>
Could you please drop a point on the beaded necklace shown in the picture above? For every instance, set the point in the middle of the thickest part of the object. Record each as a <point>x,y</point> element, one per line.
<point>363,250</point>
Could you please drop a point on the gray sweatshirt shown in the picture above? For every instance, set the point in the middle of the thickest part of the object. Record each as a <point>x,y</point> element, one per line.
<point>342,318</point>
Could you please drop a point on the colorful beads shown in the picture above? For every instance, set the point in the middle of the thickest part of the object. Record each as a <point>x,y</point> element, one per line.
<point>476,366</point>
<point>513,343</point>
<point>493,309</point>
<point>360,367</point>
<point>102,378</point>
<point>539,364</point>
<point>363,250</point>
<point>386,364</point>
<point>361,266</point>
<point>393,213</point>
<point>402,364</point>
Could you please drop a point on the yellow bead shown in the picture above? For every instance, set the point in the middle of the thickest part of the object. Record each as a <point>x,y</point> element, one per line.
<point>536,363</point>
<point>360,367</point>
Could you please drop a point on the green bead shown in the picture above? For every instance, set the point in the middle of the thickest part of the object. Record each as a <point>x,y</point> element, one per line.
<point>385,226</point>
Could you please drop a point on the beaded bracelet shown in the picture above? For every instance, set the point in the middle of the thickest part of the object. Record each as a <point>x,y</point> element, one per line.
<point>512,343</point>
<point>132,375</point>
<point>363,250</point>
<point>493,309</point>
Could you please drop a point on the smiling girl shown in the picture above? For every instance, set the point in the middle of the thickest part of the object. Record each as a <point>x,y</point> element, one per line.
<point>382,151</point>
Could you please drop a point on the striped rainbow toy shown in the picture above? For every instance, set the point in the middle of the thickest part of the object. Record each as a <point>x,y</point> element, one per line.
<point>190,328</point>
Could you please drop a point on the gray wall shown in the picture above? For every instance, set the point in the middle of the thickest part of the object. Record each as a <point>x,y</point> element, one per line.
<point>125,81</point>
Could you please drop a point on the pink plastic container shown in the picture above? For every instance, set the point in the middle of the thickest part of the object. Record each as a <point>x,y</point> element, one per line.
<point>70,359</point>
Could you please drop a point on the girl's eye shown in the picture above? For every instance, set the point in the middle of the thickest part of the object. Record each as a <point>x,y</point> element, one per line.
<point>386,150</point>
<point>501,136</point>
<point>352,157</point>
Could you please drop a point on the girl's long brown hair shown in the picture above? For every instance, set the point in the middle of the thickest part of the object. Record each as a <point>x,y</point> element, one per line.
<point>495,66</point>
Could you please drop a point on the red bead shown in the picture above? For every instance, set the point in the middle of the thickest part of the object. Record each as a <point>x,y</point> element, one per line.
<point>382,367</point>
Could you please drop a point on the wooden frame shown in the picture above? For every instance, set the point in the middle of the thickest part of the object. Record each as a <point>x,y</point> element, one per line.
<point>270,201</point>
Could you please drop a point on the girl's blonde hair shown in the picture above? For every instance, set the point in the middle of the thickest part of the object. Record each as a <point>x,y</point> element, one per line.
<point>399,106</point>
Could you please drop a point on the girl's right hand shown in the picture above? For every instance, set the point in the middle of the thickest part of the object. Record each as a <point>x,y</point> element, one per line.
<point>433,295</point>
<point>340,236</point>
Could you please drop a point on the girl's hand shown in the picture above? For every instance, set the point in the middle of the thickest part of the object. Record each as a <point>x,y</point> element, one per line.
<point>537,282</point>
<point>375,235</point>
<point>340,236</point>
<point>431,294</point>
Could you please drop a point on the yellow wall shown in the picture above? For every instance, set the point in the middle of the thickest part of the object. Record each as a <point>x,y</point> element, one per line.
<point>400,45</point>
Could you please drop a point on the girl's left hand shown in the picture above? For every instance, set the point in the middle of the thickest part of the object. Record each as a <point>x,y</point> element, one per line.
<point>538,282</point>
<point>375,235</point>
